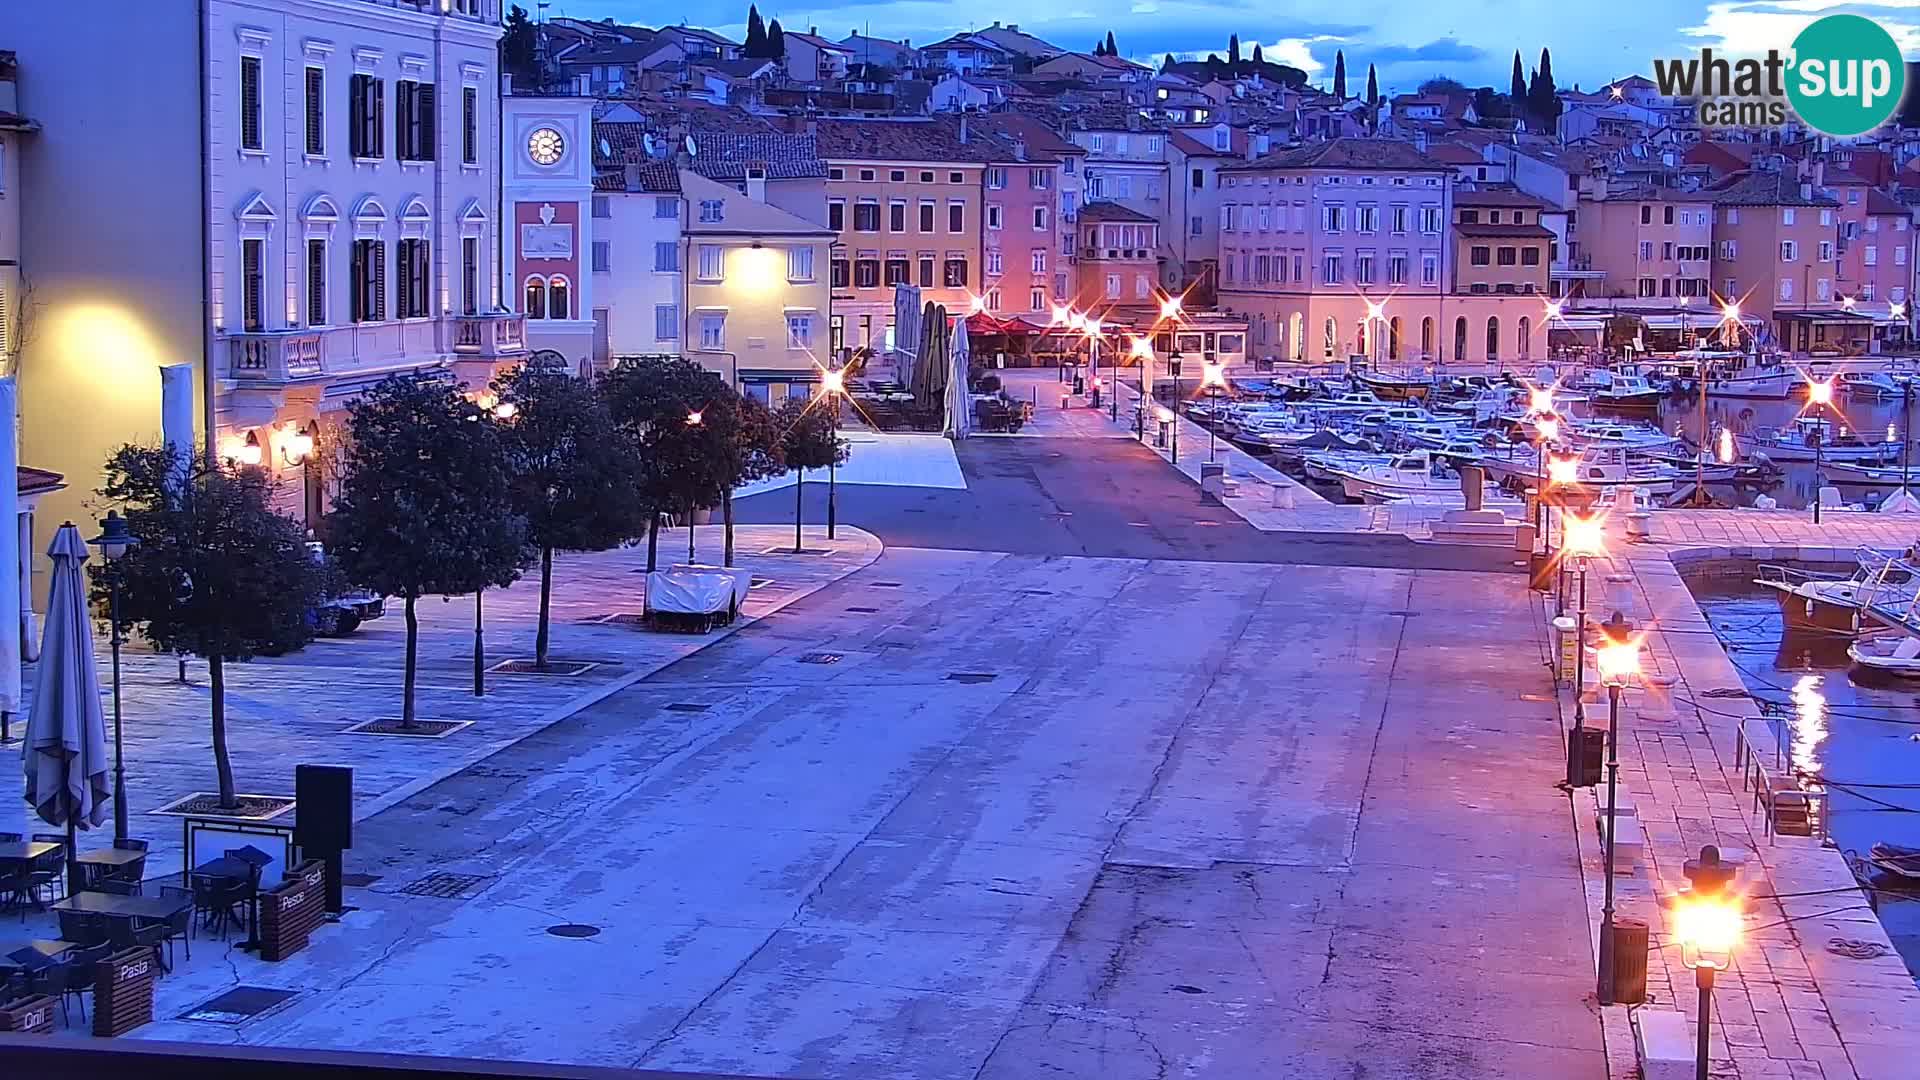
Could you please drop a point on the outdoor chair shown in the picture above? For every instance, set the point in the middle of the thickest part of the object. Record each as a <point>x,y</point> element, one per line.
<point>213,900</point>
<point>17,887</point>
<point>130,845</point>
<point>180,923</point>
<point>152,935</point>
<point>55,981</point>
<point>116,887</point>
<point>88,929</point>
<point>78,978</point>
<point>132,873</point>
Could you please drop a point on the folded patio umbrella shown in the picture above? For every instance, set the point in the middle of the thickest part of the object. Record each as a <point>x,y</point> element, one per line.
<point>64,753</point>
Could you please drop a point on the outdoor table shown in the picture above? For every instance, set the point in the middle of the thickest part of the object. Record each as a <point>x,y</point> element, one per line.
<point>47,950</point>
<point>237,867</point>
<point>111,858</point>
<point>156,908</point>
<point>32,851</point>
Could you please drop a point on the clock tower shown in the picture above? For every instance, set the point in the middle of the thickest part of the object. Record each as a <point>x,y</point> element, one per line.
<point>546,177</point>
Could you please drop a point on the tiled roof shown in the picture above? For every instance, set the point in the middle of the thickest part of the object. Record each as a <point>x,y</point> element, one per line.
<point>1043,143</point>
<point>725,155</point>
<point>1495,197</point>
<point>1347,153</point>
<point>1112,211</point>
<point>625,52</point>
<point>1535,232</point>
<point>933,139</point>
<point>1879,202</point>
<point>28,479</point>
<point>656,178</point>
<point>1759,188</point>
<point>1452,153</point>
<point>1191,145</point>
<point>814,40</point>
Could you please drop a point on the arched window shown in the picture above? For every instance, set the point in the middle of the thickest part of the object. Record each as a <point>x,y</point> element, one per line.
<point>1297,333</point>
<point>1526,335</point>
<point>1493,337</point>
<point>1360,338</point>
<point>1332,337</point>
<point>1426,337</point>
<point>536,298</point>
<point>1460,338</point>
<point>1393,338</point>
<point>558,298</point>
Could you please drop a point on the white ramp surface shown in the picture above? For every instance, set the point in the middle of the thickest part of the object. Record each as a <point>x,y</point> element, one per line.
<point>886,459</point>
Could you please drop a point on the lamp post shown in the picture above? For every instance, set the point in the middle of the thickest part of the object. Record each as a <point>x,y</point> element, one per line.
<point>113,542</point>
<point>1213,379</point>
<point>1618,659</point>
<point>1584,538</point>
<point>1819,399</point>
<point>1173,369</point>
<point>1562,472</point>
<point>831,382</point>
<point>1143,350</point>
<point>1706,922</point>
<point>693,421</point>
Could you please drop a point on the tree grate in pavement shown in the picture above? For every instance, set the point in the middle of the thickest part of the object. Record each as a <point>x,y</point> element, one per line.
<point>688,706</point>
<point>445,886</point>
<point>864,610</point>
<point>821,658</point>
<point>971,676</point>
<point>554,668</point>
<point>421,729</point>
<point>573,930</point>
<point>802,551</point>
<point>240,1004</point>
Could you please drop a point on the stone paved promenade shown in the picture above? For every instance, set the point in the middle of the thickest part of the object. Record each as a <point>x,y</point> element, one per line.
<point>282,711</point>
<point>1791,1007</point>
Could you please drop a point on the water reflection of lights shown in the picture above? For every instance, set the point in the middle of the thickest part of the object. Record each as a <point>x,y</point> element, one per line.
<point>1809,723</point>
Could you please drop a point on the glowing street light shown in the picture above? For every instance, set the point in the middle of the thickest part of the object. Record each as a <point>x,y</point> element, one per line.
<point>1584,537</point>
<point>1618,659</point>
<point>1563,470</point>
<point>1707,923</point>
<point>1548,427</point>
<point>1726,446</point>
<point>1213,382</point>
<point>1169,307</point>
<point>1846,303</point>
<point>693,418</point>
<point>832,383</point>
<point>1820,392</point>
<point>1540,401</point>
<point>1819,398</point>
<point>1058,316</point>
<point>506,410</point>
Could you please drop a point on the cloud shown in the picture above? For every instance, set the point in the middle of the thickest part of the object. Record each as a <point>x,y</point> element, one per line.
<point>1751,27</point>
<point>1443,50</point>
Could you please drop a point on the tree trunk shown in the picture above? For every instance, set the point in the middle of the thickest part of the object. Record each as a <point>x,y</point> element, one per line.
<point>413,641</point>
<point>222,764</point>
<point>726,514</point>
<point>546,607</point>
<point>653,541</point>
<point>799,501</point>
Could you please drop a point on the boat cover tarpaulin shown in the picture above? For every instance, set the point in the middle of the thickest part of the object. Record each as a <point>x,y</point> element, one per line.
<point>689,594</point>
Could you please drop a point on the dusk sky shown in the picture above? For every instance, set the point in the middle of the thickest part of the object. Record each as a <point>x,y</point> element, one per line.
<point>1472,40</point>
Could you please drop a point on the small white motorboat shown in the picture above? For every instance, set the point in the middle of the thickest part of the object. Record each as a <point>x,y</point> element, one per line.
<point>1415,473</point>
<point>1771,383</point>
<point>1893,653</point>
<point>1797,443</point>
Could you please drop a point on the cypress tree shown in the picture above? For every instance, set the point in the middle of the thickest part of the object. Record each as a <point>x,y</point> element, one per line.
<point>1112,50</point>
<point>1519,91</point>
<point>1257,59</point>
<point>1233,49</point>
<point>756,43</point>
<point>1373,87</point>
<point>1340,75</point>
<point>1167,63</point>
<point>776,41</point>
<point>1545,99</point>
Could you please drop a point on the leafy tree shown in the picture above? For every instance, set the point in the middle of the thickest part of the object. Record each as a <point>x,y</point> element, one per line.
<point>1440,85</point>
<point>808,440</point>
<point>216,573</point>
<point>574,486</point>
<point>776,41</point>
<point>1340,74</point>
<point>753,452</point>
<point>423,508</point>
<point>1233,50</point>
<point>1112,49</point>
<point>1519,91</point>
<point>1257,59</point>
<point>756,43</point>
<point>520,45</point>
<point>1373,88</point>
<point>651,400</point>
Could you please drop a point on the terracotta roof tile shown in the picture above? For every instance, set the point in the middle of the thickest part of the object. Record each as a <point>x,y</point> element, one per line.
<point>1347,153</point>
<point>1112,211</point>
<point>1759,188</point>
<point>933,139</point>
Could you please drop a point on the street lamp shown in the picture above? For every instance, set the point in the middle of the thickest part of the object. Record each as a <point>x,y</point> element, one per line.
<point>113,542</point>
<point>1706,922</point>
<point>832,382</point>
<point>1618,659</point>
<point>1143,351</point>
<point>1819,398</point>
<point>1213,379</point>
<point>1561,472</point>
<point>1173,369</point>
<point>693,421</point>
<point>1583,538</point>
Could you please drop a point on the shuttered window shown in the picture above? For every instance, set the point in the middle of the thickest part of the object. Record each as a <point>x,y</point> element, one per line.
<point>470,125</point>
<point>316,283</point>
<point>316,111</point>
<point>366,99</point>
<point>369,273</point>
<point>410,279</point>
<point>413,116</point>
<point>470,274</point>
<point>250,103</point>
<point>253,262</point>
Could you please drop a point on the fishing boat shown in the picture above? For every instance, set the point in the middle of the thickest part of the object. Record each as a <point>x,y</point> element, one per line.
<point>1415,473</point>
<point>1894,653</point>
<point>1829,603</point>
<point>1770,383</point>
<point>1841,472</point>
<point>1397,387</point>
<point>1702,467</point>
<point>1639,438</point>
<point>1797,442</point>
<point>1292,448</point>
<point>1878,385</point>
<point>1896,859</point>
<point>1623,393</point>
<point>1324,466</point>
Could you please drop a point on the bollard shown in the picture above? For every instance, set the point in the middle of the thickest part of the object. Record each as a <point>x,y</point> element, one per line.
<point>1473,485</point>
<point>1160,435</point>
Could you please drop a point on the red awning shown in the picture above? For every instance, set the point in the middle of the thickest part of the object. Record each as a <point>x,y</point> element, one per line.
<point>981,322</point>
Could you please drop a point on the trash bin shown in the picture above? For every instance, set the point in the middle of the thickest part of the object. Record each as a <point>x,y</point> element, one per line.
<point>1629,961</point>
<point>1079,384</point>
<point>1160,433</point>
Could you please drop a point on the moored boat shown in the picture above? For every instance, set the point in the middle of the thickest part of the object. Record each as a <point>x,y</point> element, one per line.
<point>1888,653</point>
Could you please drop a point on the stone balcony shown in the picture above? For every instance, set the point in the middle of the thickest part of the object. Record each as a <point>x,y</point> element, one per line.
<point>281,357</point>
<point>501,334</point>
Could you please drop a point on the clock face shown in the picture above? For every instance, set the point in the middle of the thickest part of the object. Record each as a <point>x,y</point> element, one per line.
<point>545,145</point>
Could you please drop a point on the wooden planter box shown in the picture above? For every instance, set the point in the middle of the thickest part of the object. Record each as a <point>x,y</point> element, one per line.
<point>289,913</point>
<point>33,1016</point>
<point>123,991</point>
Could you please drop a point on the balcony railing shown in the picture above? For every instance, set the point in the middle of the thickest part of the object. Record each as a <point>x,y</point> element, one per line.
<point>275,355</point>
<point>490,336</point>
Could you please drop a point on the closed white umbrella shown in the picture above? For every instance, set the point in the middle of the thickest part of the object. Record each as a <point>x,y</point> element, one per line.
<point>64,753</point>
<point>959,401</point>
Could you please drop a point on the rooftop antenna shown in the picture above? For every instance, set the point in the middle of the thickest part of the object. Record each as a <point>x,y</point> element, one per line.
<point>693,148</point>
